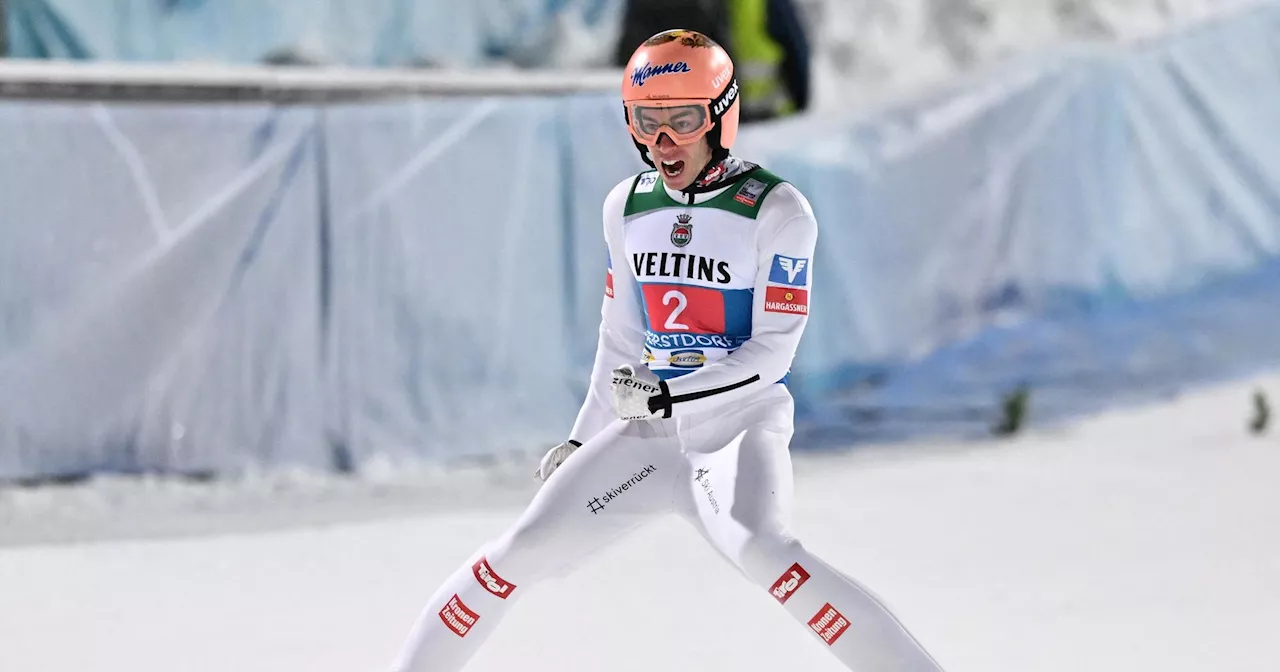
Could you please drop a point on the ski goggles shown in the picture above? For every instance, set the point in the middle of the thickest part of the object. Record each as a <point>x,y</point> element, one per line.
<point>683,121</point>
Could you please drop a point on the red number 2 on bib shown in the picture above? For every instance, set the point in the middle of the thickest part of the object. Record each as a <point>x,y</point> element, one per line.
<point>684,309</point>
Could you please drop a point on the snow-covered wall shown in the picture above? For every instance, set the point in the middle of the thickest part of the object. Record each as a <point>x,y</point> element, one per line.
<point>871,49</point>
<point>864,43</point>
<point>212,287</point>
<point>367,33</point>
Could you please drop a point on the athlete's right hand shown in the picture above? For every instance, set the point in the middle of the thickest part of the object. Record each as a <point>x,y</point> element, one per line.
<point>554,458</point>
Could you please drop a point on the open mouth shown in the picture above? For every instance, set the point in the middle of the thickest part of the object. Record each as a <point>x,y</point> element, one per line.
<point>672,168</point>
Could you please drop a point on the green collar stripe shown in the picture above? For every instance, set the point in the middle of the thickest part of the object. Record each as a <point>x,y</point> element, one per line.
<point>743,196</point>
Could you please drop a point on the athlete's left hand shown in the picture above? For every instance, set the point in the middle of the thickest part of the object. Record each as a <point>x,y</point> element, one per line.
<point>639,394</point>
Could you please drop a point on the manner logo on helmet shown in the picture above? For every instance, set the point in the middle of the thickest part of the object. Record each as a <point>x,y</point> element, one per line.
<point>642,73</point>
<point>682,230</point>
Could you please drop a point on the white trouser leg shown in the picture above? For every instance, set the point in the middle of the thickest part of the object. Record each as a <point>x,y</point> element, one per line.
<point>739,497</point>
<point>612,484</point>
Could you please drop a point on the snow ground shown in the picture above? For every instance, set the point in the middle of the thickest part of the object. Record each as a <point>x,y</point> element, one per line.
<point>1147,539</point>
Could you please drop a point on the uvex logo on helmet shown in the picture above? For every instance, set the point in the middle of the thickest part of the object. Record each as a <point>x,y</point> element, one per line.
<point>726,100</point>
<point>645,71</point>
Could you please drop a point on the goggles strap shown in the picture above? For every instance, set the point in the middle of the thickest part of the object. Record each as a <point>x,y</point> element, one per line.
<point>725,99</point>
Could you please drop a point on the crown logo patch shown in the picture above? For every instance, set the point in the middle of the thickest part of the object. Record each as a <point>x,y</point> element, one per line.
<point>682,230</point>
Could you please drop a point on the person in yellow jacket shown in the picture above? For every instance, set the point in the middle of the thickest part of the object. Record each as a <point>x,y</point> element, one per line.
<point>772,57</point>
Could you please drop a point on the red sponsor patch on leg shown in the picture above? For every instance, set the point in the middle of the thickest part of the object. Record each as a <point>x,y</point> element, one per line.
<point>829,624</point>
<point>789,583</point>
<point>490,580</point>
<point>608,284</point>
<point>457,617</point>
<point>786,300</point>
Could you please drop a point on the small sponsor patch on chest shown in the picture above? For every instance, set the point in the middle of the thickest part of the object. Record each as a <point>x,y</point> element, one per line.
<point>750,192</point>
<point>646,183</point>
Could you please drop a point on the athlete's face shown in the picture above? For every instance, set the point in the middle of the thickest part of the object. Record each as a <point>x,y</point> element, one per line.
<point>679,165</point>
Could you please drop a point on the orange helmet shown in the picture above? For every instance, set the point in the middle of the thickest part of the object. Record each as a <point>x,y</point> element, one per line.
<point>682,83</point>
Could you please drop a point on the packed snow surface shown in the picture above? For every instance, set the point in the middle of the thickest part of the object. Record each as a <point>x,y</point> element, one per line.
<point>1143,539</point>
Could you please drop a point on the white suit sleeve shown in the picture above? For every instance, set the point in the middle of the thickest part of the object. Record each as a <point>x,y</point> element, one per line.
<point>787,234</point>
<point>621,324</point>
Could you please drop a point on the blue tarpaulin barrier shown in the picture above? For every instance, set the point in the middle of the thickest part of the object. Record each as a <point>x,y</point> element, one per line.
<point>214,287</point>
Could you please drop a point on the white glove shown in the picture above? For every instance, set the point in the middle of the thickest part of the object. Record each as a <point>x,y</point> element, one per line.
<point>639,394</point>
<point>555,457</point>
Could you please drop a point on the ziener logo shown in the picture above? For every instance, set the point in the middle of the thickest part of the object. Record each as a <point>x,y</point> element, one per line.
<point>491,581</point>
<point>789,583</point>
